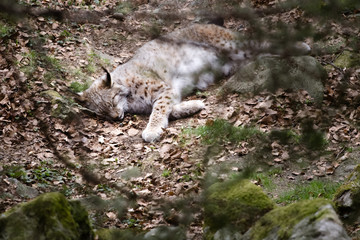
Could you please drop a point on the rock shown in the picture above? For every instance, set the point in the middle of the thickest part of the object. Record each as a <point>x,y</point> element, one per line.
<point>232,207</point>
<point>23,190</point>
<point>119,16</point>
<point>129,173</point>
<point>104,56</point>
<point>347,59</point>
<point>271,73</point>
<point>164,233</point>
<point>309,219</point>
<point>347,198</point>
<point>49,216</point>
<point>328,227</point>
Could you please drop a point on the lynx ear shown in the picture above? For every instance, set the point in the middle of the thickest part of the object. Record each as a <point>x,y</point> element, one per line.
<point>107,82</point>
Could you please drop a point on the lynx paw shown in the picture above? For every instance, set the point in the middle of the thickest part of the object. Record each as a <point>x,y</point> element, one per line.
<point>152,134</point>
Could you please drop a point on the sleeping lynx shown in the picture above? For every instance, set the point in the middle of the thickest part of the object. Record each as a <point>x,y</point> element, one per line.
<point>162,72</point>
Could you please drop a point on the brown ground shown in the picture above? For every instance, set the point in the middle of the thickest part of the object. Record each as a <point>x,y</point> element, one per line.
<point>58,154</point>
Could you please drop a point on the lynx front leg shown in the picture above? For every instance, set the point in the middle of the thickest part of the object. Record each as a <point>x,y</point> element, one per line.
<point>158,119</point>
<point>187,108</point>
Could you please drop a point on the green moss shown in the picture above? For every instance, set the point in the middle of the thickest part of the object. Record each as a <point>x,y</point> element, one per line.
<point>238,203</point>
<point>81,217</point>
<point>283,219</point>
<point>50,216</point>
<point>347,59</point>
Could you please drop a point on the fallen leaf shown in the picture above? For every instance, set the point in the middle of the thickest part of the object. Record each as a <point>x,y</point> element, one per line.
<point>101,139</point>
<point>330,170</point>
<point>111,215</point>
<point>132,132</point>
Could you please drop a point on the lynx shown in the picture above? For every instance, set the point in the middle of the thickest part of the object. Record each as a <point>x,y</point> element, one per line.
<point>162,72</point>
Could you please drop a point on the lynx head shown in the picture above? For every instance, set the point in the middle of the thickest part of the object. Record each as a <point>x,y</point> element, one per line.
<point>105,98</point>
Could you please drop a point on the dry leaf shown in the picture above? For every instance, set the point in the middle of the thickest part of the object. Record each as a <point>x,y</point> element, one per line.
<point>132,132</point>
<point>111,215</point>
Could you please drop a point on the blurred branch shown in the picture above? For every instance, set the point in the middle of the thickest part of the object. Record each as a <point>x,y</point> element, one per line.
<point>12,8</point>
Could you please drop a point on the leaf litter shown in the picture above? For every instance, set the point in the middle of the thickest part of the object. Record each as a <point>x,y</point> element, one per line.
<point>170,169</point>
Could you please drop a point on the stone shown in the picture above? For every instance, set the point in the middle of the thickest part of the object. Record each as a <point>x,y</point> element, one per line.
<point>49,216</point>
<point>23,190</point>
<point>347,198</point>
<point>327,227</point>
<point>233,207</point>
<point>272,73</point>
<point>308,219</point>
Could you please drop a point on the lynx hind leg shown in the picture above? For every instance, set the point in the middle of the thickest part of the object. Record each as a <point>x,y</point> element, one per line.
<point>187,108</point>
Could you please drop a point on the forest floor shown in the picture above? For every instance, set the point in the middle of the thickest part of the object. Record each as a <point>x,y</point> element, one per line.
<point>57,147</point>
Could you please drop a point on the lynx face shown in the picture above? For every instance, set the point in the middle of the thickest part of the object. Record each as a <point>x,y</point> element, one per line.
<point>105,99</point>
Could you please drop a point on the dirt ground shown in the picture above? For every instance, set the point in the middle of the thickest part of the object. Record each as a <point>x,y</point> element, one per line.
<point>84,156</point>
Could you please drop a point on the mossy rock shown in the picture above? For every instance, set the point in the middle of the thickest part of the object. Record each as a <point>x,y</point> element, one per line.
<point>347,198</point>
<point>236,204</point>
<point>272,73</point>
<point>49,216</point>
<point>308,219</point>
<point>347,59</point>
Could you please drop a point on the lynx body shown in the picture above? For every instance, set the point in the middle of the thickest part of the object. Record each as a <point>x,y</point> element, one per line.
<point>165,70</point>
<point>161,73</point>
